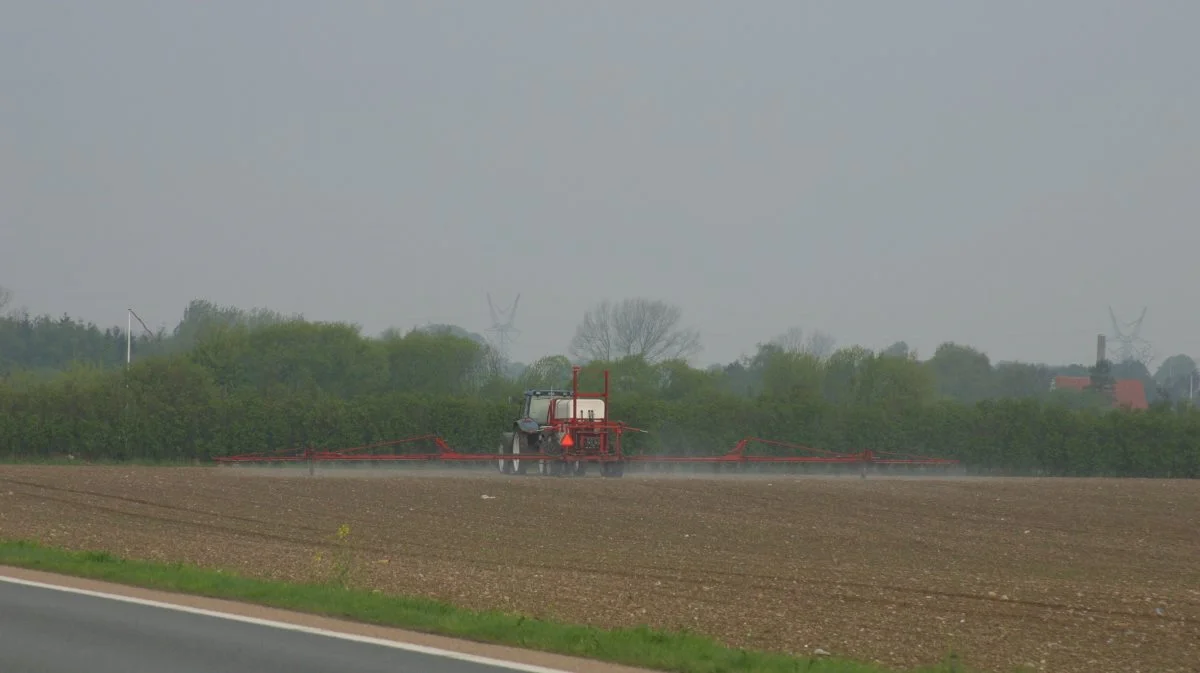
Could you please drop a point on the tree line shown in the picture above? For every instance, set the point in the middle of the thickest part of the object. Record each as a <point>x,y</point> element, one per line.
<point>232,382</point>
<point>42,346</point>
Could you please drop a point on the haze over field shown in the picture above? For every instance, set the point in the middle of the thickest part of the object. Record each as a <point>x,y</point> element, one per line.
<point>994,174</point>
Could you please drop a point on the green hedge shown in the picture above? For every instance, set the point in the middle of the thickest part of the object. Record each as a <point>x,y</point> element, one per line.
<point>171,409</point>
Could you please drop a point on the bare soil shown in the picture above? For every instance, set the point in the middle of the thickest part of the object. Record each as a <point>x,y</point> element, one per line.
<point>1055,574</point>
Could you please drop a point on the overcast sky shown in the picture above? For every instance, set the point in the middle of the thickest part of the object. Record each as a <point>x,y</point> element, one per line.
<point>991,173</point>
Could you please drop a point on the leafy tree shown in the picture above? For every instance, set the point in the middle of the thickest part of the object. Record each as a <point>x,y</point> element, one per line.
<point>1178,377</point>
<point>442,328</point>
<point>46,343</point>
<point>200,316</point>
<point>790,374</point>
<point>436,364</point>
<point>737,378</point>
<point>898,349</point>
<point>630,375</point>
<point>897,385</point>
<point>961,373</point>
<point>682,382</point>
<point>552,371</point>
<point>843,374</point>
<point>1020,380</point>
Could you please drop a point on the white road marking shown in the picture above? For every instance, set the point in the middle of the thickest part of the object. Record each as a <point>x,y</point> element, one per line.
<point>399,645</point>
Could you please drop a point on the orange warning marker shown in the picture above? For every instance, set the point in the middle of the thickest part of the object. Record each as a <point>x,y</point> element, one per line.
<point>567,441</point>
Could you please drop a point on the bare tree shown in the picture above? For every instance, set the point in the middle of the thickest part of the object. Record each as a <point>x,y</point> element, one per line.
<point>818,344</point>
<point>791,341</point>
<point>490,365</point>
<point>645,327</point>
<point>5,297</point>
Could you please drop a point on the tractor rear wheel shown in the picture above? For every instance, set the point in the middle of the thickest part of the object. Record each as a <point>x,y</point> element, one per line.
<point>555,466</point>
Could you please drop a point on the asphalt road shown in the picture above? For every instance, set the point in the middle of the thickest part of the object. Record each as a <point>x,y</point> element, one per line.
<point>45,630</point>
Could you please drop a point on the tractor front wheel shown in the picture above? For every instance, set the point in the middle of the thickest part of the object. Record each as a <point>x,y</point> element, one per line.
<point>506,442</point>
<point>518,440</point>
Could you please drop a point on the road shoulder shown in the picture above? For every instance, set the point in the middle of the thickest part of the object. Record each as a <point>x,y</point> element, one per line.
<point>500,652</point>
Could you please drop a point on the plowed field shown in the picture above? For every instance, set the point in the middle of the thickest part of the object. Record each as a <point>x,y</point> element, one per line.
<point>1061,575</point>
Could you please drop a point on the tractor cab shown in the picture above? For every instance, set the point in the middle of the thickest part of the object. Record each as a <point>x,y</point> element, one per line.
<point>538,404</point>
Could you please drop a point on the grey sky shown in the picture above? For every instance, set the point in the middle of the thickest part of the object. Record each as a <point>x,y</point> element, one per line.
<point>990,173</point>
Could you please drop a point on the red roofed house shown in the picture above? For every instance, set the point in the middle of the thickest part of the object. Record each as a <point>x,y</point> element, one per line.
<point>1129,393</point>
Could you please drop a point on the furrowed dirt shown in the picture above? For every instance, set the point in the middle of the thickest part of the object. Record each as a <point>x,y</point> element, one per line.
<point>1057,574</point>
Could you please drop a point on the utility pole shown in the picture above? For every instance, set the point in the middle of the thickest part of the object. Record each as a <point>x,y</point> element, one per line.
<point>129,316</point>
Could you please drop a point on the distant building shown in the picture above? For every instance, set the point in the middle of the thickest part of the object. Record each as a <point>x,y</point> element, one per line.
<point>1129,393</point>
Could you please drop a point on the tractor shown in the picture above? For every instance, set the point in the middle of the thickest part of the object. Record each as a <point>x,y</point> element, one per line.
<point>562,431</point>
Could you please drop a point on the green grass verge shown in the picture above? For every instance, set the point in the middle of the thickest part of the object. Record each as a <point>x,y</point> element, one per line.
<point>641,647</point>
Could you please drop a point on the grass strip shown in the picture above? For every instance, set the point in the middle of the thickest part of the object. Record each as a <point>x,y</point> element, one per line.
<point>640,647</point>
